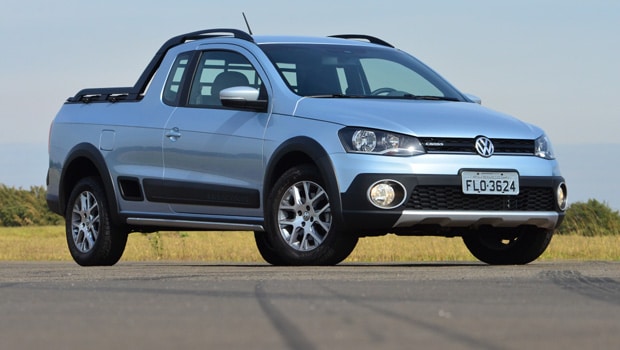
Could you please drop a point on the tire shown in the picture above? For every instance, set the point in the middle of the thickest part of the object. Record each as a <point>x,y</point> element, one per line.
<point>266,249</point>
<point>300,226</point>
<point>91,237</point>
<point>517,247</point>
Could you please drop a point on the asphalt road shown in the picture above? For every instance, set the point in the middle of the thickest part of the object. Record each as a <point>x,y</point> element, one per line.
<point>559,305</point>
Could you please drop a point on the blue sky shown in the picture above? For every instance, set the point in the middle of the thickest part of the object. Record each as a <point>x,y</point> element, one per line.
<point>551,63</point>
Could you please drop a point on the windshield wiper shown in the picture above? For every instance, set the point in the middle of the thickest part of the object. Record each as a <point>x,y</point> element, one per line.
<point>335,96</point>
<point>405,96</point>
<point>430,97</point>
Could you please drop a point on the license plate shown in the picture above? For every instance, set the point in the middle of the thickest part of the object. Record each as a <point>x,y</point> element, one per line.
<point>490,182</point>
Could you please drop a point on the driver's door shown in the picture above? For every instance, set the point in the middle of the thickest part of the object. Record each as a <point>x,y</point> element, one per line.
<point>213,162</point>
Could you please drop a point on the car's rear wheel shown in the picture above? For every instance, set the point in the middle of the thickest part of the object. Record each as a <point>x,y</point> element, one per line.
<point>301,228</point>
<point>513,247</point>
<point>91,236</point>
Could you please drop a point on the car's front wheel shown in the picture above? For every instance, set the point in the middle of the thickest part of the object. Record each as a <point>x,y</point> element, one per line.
<point>301,228</point>
<point>513,247</point>
<point>91,236</point>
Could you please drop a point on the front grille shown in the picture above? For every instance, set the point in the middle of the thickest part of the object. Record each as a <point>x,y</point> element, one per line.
<point>453,198</point>
<point>465,145</point>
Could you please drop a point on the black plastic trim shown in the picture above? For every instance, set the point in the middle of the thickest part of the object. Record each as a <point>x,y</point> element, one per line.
<point>166,191</point>
<point>130,188</point>
<point>371,39</point>
<point>93,155</point>
<point>360,215</point>
<point>319,157</point>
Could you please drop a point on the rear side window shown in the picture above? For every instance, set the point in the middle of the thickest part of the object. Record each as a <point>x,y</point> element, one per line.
<point>173,85</point>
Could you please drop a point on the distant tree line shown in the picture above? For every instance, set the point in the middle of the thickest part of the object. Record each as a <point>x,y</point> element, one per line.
<point>591,218</point>
<point>20,207</point>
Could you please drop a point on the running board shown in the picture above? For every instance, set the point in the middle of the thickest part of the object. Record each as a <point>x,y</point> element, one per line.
<point>196,225</point>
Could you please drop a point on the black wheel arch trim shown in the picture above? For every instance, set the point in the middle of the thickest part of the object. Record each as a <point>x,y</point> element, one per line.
<point>91,153</point>
<point>320,158</point>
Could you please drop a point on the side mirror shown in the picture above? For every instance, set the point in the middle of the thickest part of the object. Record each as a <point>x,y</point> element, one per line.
<point>474,98</point>
<point>244,97</point>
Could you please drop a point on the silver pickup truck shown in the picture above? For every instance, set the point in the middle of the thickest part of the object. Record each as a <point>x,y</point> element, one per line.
<point>311,143</point>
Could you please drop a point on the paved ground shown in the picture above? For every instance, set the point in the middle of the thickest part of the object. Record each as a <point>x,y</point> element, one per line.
<point>559,305</point>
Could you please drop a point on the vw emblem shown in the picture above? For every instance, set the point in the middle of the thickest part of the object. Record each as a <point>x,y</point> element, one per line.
<point>484,146</point>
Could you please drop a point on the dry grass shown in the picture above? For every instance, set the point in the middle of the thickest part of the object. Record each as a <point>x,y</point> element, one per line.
<point>47,243</point>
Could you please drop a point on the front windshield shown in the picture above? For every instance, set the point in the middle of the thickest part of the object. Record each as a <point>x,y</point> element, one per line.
<point>320,70</point>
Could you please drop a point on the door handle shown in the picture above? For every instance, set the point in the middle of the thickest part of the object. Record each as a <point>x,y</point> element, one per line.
<point>173,134</point>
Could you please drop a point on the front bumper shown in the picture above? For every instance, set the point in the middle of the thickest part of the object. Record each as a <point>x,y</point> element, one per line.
<point>435,204</point>
<point>468,219</point>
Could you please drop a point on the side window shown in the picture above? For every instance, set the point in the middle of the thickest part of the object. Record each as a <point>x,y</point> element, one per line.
<point>218,70</point>
<point>172,88</point>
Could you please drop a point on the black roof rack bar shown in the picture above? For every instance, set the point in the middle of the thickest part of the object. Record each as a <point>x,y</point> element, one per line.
<point>370,39</point>
<point>201,34</point>
<point>133,93</point>
<point>180,39</point>
<point>105,94</point>
<point>112,94</point>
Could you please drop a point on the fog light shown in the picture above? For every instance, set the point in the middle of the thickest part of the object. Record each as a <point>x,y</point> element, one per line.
<point>386,194</point>
<point>562,196</point>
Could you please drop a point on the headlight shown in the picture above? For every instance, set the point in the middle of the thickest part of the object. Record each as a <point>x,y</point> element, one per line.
<point>543,148</point>
<point>370,141</point>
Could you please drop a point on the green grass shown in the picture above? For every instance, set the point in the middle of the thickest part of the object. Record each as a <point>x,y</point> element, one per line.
<point>47,243</point>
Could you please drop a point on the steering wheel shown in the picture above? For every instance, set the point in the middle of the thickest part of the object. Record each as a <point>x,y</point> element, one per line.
<point>382,91</point>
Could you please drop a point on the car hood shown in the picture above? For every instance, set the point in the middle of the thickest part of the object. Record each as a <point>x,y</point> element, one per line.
<point>417,117</point>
